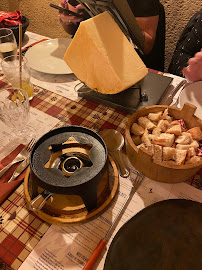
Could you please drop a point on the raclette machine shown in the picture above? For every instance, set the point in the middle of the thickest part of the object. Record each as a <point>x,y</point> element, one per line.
<point>152,88</point>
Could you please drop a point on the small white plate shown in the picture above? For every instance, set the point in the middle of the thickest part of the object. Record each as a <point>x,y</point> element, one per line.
<point>47,56</point>
<point>192,93</point>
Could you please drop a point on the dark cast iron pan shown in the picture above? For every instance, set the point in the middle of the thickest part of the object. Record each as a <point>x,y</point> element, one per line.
<point>166,235</point>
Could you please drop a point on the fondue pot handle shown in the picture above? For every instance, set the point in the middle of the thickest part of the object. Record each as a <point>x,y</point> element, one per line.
<point>38,202</point>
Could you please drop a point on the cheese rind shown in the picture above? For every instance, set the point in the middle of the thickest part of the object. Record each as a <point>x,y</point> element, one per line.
<point>101,56</point>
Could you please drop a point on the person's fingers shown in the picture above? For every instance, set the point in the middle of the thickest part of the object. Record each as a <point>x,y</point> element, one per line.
<point>187,73</point>
<point>61,3</point>
<point>79,6</point>
<point>192,61</point>
<point>67,18</point>
<point>70,18</point>
<point>198,55</point>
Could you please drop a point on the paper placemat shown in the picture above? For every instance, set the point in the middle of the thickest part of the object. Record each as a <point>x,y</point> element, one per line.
<point>70,247</point>
<point>40,121</point>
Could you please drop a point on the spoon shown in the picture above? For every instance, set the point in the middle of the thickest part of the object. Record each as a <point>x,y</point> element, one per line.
<point>114,142</point>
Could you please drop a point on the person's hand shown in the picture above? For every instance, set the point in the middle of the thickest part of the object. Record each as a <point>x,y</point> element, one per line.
<point>67,19</point>
<point>193,72</point>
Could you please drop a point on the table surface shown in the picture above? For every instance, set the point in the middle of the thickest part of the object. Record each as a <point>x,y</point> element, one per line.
<point>24,230</point>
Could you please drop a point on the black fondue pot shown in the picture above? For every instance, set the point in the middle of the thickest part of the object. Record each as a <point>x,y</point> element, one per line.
<point>71,173</point>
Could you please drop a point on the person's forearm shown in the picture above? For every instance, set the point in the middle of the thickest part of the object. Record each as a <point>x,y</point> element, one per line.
<point>70,28</point>
<point>148,25</point>
<point>148,43</point>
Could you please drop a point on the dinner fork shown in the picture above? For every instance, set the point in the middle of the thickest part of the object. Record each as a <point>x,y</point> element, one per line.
<point>94,256</point>
<point>20,157</point>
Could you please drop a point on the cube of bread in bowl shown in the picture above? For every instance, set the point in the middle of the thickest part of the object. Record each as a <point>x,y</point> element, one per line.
<point>137,129</point>
<point>194,144</point>
<point>169,153</point>
<point>155,117</point>
<point>180,156</point>
<point>158,153</point>
<point>193,160</point>
<point>163,125</point>
<point>137,139</point>
<point>190,153</point>
<point>185,138</point>
<point>175,129</point>
<point>146,123</point>
<point>165,139</point>
<point>196,133</point>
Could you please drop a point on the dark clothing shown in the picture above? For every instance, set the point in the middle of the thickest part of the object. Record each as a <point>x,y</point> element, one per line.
<point>147,8</point>
<point>189,43</point>
<point>144,8</point>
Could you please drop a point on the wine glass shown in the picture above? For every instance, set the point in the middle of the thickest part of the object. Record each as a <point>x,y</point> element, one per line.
<point>8,45</point>
<point>14,112</point>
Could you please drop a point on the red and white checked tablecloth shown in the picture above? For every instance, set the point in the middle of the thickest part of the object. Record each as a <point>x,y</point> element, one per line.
<point>21,229</point>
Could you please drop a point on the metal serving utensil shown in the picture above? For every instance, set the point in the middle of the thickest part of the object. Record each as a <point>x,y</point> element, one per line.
<point>170,97</point>
<point>114,142</point>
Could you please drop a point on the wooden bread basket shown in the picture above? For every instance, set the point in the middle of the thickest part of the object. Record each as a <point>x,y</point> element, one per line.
<point>141,158</point>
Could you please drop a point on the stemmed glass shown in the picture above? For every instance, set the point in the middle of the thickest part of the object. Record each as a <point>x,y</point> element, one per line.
<point>14,112</point>
<point>8,45</point>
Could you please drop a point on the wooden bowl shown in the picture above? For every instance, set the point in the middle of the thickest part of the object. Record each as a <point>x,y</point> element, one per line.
<point>142,160</point>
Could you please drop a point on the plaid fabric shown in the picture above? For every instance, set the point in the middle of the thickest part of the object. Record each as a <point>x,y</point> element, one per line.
<point>20,229</point>
<point>8,19</point>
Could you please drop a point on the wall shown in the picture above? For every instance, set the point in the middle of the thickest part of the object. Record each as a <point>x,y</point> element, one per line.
<point>44,19</point>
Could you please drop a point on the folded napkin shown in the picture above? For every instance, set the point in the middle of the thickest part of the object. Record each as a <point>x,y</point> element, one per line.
<point>7,188</point>
<point>8,19</point>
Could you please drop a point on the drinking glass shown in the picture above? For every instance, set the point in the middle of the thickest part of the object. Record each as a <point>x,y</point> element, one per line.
<point>8,45</point>
<point>14,112</point>
<point>18,73</point>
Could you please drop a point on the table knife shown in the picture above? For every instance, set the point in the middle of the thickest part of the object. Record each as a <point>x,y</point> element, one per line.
<point>170,97</point>
<point>17,159</point>
<point>23,165</point>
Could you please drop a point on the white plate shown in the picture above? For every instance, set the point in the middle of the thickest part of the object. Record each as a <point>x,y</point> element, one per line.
<point>47,56</point>
<point>192,93</point>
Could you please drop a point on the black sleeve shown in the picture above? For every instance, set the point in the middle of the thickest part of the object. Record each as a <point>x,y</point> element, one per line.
<point>144,8</point>
<point>73,2</point>
<point>189,43</point>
